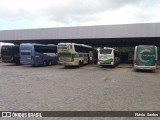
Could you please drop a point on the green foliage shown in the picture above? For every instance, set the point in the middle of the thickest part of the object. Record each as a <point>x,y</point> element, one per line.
<point>158,48</point>
<point>124,49</point>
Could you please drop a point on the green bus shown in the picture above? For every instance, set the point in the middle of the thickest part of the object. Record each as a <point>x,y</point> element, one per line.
<point>145,57</point>
<point>73,54</point>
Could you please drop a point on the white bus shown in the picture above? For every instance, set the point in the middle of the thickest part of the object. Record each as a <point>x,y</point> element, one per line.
<point>73,54</point>
<point>3,43</point>
<point>108,56</point>
<point>145,57</point>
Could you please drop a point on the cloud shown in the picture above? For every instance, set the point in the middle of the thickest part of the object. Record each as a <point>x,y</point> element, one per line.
<point>56,9</point>
<point>81,9</point>
<point>54,13</point>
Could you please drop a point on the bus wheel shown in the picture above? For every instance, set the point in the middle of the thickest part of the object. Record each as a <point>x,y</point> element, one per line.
<point>17,63</point>
<point>82,63</point>
<point>135,70</point>
<point>44,63</point>
<point>66,66</point>
<point>49,62</point>
<point>79,65</point>
<point>153,71</point>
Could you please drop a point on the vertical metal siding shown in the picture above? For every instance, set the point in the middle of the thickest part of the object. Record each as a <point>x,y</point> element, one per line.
<point>103,31</point>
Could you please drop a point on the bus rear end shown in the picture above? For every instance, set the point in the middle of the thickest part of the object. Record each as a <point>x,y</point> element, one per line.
<point>2,44</point>
<point>65,54</point>
<point>105,57</point>
<point>26,57</point>
<point>7,54</point>
<point>145,57</point>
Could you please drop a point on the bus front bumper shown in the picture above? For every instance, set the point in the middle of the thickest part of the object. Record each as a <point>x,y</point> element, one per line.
<point>136,67</point>
<point>8,61</point>
<point>104,63</point>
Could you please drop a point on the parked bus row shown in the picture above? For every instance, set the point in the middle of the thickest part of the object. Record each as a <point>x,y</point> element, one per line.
<point>69,54</point>
<point>72,54</point>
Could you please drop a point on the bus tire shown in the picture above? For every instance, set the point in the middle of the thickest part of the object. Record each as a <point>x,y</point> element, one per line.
<point>44,63</point>
<point>82,63</point>
<point>114,65</point>
<point>79,65</point>
<point>17,63</point>
<point>66,66</point>
<point>135,70</point>
<point>49,63</point>
<point>153,71</point>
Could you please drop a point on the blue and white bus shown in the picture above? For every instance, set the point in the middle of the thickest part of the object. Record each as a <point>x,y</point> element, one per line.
<point>38,54</point>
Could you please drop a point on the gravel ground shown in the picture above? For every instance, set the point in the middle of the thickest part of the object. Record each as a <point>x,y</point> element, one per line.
<point>90,88</point>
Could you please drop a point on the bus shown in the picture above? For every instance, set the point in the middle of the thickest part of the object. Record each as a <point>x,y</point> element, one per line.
<point>10,54</point>
<point>108,56</point>
<point>38,54</point>
<point>73,54</point>
<point>3,43</point>
<point>145,57</point>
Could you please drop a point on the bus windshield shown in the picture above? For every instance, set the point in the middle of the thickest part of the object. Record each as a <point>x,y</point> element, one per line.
<point>106,51</point>
<point>7,50</point>
<point>25,52</point>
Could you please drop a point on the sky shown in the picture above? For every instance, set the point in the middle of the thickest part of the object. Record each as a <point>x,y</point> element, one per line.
<point>29,14</point>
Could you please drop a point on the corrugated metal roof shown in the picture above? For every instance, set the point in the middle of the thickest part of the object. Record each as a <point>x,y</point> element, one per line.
<point>85,32</point>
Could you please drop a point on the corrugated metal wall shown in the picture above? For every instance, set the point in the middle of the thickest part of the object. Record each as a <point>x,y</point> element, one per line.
<point>103,31</point>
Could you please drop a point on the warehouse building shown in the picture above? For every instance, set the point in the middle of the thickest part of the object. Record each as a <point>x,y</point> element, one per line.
<point>98,36</point>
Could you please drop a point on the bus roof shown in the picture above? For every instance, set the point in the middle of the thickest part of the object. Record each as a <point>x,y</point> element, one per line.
<point>32,44</point>
<point>146,46</point>
<point>8,45</point>
<point>4,43</point>
<point>75,44</point>
<point>108,48</point>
